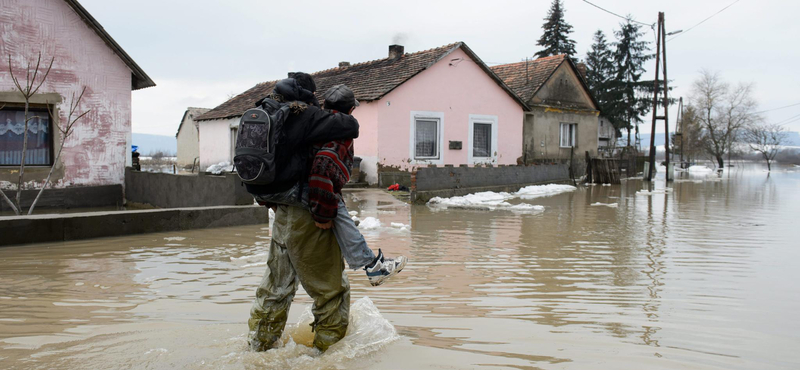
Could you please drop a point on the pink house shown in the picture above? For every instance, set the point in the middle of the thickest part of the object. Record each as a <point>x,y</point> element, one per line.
<point>441,106</point>
<point>85,55</point>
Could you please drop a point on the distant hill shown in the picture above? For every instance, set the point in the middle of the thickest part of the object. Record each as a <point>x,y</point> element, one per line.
<point>149,144</point>
<point>793,139</point>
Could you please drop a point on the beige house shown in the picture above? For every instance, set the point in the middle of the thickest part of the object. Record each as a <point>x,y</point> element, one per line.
<point>188,137</point>
<point>563,113</point>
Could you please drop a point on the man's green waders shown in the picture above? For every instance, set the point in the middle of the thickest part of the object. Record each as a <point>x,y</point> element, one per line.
<point>301,253</point>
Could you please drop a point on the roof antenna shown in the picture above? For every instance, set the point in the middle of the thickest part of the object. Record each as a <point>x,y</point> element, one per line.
<point>526,70</point>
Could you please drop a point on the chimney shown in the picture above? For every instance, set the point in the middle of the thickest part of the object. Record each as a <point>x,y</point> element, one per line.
<point>395,51</point>
<point>581,69</point>
<point>344,64</point>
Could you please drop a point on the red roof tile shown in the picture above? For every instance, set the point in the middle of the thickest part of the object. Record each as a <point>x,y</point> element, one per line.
<point>368,80</point>
<point>525,78</point>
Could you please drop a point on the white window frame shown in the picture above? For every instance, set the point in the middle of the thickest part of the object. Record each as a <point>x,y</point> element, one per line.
<point>412,142</point>
<point>573,138</point>
<point>485,119</point>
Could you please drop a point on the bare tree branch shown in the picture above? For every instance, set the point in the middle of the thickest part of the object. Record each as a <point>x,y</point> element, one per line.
<point>66,131</point>
<point>44,78</point>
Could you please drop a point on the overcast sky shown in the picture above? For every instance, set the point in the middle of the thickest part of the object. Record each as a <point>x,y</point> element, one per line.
<point>201,52</point>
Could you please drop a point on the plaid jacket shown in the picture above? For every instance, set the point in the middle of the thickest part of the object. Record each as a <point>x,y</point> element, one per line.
<point>330,170</point>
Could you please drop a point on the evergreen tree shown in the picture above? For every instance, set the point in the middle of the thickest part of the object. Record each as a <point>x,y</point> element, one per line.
<point>555,38</point>
<point>629,93</point>
<point>600,75</point>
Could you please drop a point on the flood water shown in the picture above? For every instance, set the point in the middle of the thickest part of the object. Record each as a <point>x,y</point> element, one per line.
<point>705,276</point>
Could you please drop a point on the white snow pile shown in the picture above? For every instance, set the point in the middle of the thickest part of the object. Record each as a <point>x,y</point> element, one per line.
<point>611,205</point>
<point>219,168</point>
<point>401,226</point>
<point>535,191</point>
<point>175,238</point>
<point>369,223</point>
<point>606,184</point>
<point>353,213</point>
<point>489,200</point>
<point>699,168</point>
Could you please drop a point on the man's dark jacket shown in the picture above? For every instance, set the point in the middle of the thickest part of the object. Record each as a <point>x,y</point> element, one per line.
<point>305,125</point>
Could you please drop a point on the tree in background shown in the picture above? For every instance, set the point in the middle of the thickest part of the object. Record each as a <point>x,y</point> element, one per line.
<point>690,141</point>
<point>600,76</point>
<point>628,92</point>
<point>555,38</point>
<point>723,111</point>
<point>766,139</point>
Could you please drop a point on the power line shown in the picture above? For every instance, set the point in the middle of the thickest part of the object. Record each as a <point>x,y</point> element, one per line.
<point>703,21</point>
<point>770,110</point>
<point>789,120</point>
<point>612,13</point>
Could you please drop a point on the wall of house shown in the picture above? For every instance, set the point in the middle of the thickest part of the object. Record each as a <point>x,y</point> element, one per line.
<point>543,136</point>
<point>454,89</point>
<point>366,145</point>
<point>563,89</point>
<point>97,151</point>
<point>188,145</point>
<point>561,99</point>
<point>215,141</point>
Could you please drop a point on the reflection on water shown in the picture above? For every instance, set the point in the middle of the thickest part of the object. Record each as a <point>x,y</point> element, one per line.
<point>700,273</point>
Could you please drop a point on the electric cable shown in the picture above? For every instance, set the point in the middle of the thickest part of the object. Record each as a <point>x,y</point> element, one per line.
<point>612,13</point>
<point>703,21</point>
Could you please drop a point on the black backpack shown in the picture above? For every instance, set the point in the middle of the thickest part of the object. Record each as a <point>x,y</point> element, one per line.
<point>257,138</point>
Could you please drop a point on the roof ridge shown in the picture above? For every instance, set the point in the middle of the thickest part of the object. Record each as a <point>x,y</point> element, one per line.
<point>448,46</point>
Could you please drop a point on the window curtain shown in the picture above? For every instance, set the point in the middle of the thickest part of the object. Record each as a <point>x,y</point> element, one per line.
<point>12,128</point>
<point>482,140</point>
<point>426,138</point>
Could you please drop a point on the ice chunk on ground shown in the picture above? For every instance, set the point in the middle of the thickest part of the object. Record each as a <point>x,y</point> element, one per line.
<point>612,205</point>
<point>606,184</point>
<point>535,191</point>
<point>399,225</point>
<point>219,167</point>
<point>174,238</point>
<point>369,223</point>
<point>489,200</point>
<point>699,168</point>
<point>353,213</point>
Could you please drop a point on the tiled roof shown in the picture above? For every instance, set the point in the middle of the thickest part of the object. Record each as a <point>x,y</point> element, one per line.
<point>525,78</point>
<point>235,106</point>
<point>369,80</point>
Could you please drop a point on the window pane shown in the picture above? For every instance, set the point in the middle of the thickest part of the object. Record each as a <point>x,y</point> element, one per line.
<point>482,140</point>
<point>12,128</point>
<point>564,134</point>
<point>426,138</point>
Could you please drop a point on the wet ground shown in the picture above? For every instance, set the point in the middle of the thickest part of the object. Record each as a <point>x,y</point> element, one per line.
<point>703,276</point>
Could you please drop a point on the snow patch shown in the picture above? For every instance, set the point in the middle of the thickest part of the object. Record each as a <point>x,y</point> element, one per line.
<point>611,205</point>
<point>219,168</point>
<point>369,223</point>
<point>489,200</point>
<point>699,169</point>
<point>353,213</point>
<point>175,238</point>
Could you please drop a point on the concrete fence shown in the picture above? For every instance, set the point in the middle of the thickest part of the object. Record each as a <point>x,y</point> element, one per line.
<point>430,182</point>
<point>166,190</point>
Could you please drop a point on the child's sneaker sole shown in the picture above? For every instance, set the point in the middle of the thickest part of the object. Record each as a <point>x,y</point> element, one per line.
<point>383,278</point>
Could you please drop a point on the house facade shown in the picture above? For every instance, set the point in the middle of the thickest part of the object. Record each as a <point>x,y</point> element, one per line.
<point>563,115</point>
<point>84,56</point>
<point>441,106</point>
<point>188,137</point>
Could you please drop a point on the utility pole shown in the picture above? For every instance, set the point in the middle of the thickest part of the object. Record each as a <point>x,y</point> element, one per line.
<point>679,126</point>
<point>661,57</point>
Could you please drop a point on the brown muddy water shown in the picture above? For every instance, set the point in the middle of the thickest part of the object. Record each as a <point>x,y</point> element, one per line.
<point>704,276</point>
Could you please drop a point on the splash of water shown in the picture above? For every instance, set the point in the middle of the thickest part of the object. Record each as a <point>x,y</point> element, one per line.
<point>368,332</point>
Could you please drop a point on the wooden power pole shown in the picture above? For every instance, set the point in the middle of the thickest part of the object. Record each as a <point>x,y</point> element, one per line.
<point>661,57</point>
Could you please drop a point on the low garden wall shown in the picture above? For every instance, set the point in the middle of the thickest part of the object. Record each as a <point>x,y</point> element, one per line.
<point>447,181</point>
<point>166,190</point>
